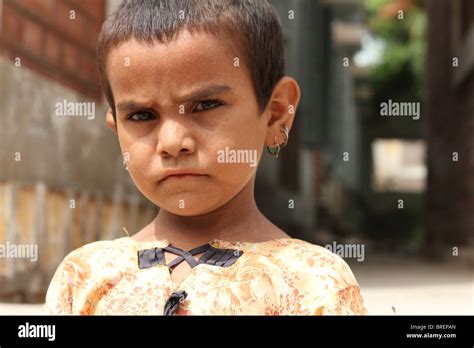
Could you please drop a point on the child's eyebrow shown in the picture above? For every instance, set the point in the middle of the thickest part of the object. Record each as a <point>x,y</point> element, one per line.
<point>202,93</point>
<point>130,105</point>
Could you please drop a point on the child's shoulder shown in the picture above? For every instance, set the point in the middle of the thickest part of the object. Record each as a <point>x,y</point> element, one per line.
<point>304,257</point>
<point>99,252</point>
<point>301,251</point>
<point>323,281</point>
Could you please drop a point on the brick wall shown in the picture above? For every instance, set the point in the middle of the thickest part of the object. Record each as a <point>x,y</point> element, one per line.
<point>450,128</point>
<point>56,38</point>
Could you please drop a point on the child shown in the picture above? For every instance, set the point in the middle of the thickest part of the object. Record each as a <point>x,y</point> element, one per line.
<point>187,81</point>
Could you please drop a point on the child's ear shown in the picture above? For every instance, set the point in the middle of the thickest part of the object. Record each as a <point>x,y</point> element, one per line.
<point>282,109</point>
<point>111,121</point>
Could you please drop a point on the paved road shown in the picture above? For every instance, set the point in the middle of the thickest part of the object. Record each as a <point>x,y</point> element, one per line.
<point>415,287</point>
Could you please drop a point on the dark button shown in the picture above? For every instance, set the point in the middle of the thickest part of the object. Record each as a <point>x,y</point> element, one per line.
<point>172,304</point>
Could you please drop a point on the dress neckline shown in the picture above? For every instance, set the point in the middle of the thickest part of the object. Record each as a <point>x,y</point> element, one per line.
<point>214,242</point>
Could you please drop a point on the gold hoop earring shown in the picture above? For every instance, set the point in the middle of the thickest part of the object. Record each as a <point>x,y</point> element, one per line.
<point>273,152</point>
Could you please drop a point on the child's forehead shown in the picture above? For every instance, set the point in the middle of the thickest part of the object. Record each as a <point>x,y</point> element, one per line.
<point>189,58</point>
<point>197,48</point>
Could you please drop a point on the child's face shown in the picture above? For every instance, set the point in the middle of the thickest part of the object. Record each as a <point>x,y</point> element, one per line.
<point>172,131</point>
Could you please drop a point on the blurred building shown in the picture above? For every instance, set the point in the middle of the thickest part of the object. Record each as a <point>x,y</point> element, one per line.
<point>346,166</point>
<point>450,128</point>
<point>320,40</point>
<point>62,182</point>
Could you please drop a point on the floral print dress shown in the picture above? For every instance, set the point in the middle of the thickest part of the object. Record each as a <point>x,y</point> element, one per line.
<point>278,277</point>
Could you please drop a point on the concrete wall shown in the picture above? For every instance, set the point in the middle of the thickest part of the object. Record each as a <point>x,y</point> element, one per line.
<point>61,151</point>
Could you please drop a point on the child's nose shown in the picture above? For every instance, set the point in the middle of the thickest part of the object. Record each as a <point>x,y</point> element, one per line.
<point>174,139</point>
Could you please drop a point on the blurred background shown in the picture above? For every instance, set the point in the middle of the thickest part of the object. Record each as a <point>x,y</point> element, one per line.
<point>399,189</point>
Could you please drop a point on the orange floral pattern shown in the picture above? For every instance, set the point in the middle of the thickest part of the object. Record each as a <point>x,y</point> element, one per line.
<point>279,277</point>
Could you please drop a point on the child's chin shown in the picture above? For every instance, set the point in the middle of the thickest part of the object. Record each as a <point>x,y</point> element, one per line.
<point>187,207</point>
<point>187,211</point>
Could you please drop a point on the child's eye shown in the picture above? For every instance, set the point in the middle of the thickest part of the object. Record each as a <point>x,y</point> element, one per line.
<point>141,116</point>
<point>206,105</point>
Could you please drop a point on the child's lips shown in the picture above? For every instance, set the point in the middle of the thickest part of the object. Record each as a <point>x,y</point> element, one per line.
<point>180,174</point>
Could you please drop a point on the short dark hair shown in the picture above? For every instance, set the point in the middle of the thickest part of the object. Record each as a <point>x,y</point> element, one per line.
<point>254,23</point>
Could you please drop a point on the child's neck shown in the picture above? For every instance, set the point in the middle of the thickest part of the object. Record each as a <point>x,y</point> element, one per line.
<point>238,220</point>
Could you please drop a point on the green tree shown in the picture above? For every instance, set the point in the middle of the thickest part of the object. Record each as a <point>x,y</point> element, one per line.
<point>401,24</point>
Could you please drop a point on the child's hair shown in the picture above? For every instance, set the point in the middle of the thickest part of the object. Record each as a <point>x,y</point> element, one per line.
<point>253,23</point>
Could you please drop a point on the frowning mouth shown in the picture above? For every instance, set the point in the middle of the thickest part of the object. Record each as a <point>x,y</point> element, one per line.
<point>180,174</point>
